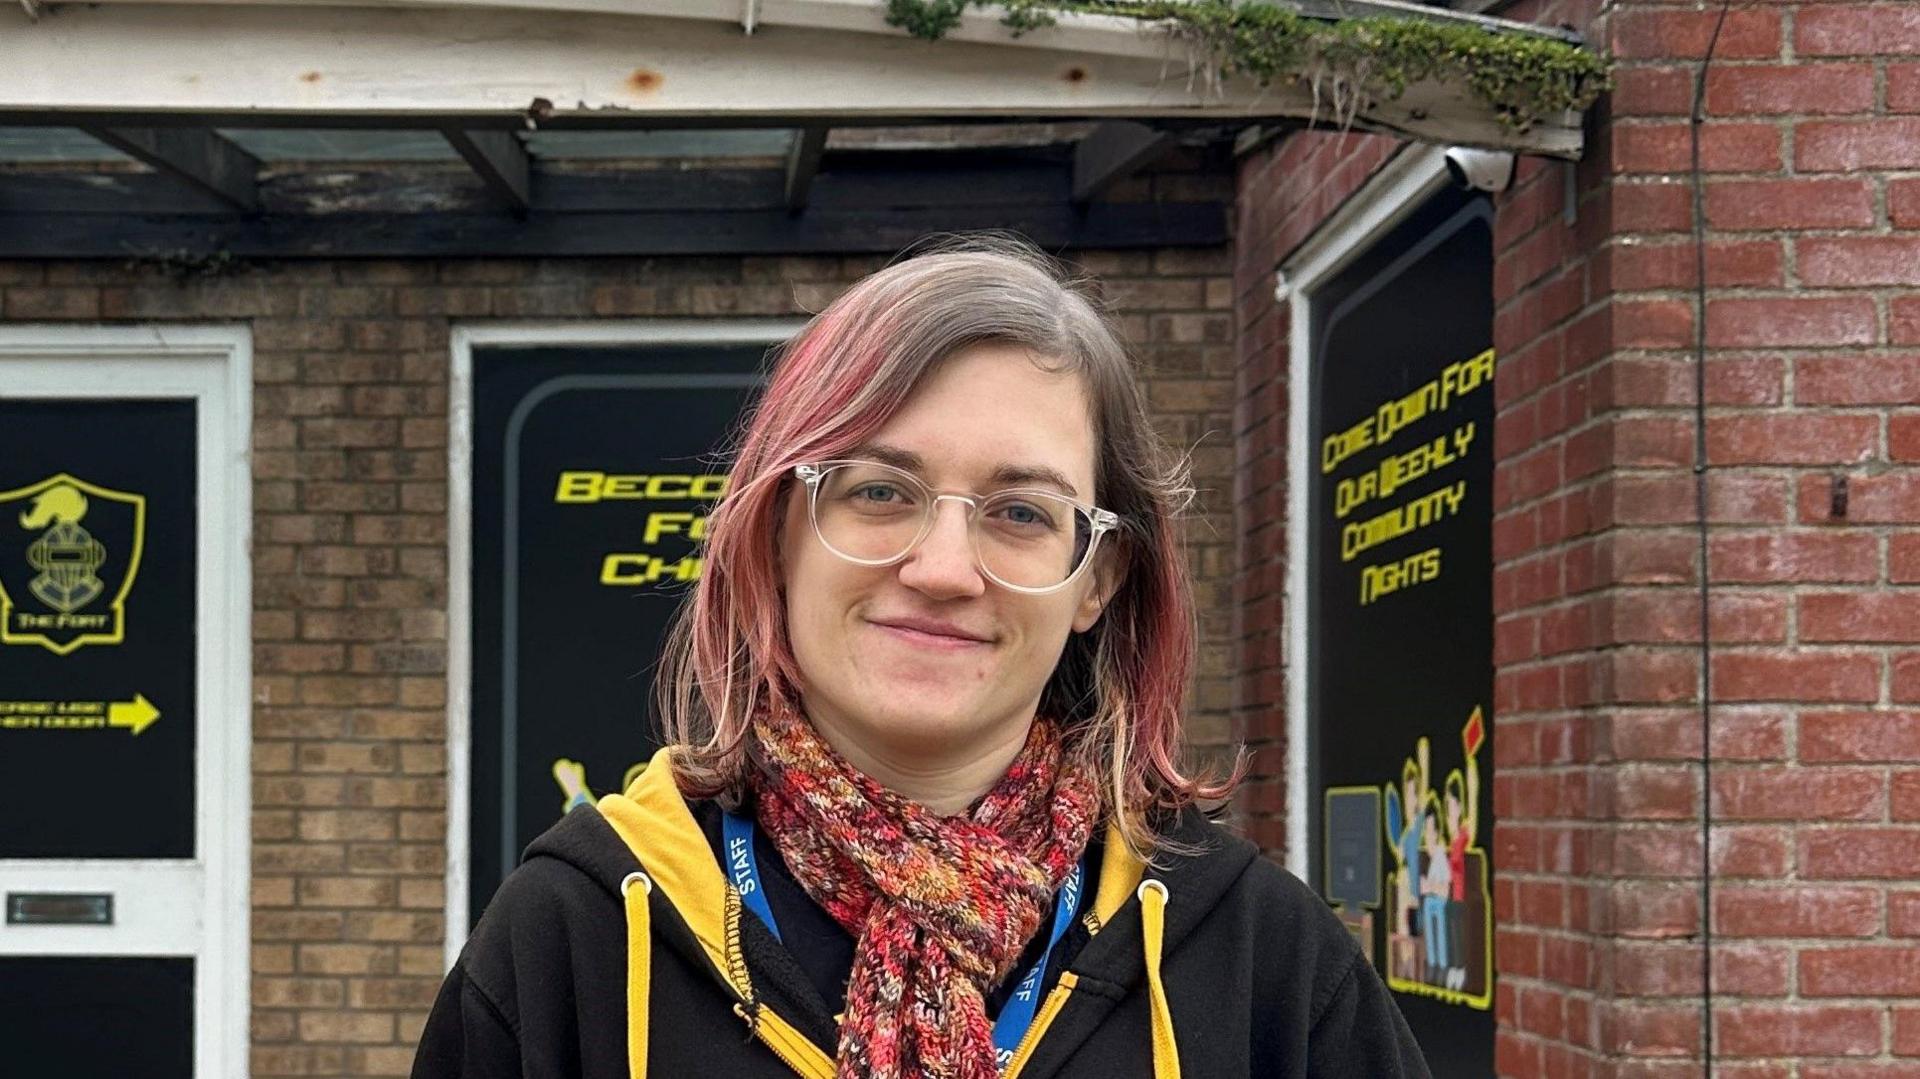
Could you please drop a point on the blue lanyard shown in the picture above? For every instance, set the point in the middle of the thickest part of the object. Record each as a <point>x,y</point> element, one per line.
<point>743,869</point>
<point>1017,1015</point>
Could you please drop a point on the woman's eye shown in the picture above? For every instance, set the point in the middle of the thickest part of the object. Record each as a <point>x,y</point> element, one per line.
<point>876,492</point>
<point>1025,515</point>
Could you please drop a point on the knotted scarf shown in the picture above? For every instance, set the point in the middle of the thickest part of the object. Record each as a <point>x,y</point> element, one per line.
<point>940,908</point>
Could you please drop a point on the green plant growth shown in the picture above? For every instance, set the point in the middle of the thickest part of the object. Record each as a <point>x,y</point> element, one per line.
<point>1347,63</point>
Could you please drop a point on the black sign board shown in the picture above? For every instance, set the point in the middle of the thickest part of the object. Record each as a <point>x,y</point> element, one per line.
<point>594,470</point>
<point>1401,618</point>
<point>80,1016</point>
<point>97,628</point>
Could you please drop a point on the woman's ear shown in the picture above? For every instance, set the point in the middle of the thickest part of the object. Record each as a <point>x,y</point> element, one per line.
<point>779,530</point>
<point>1107,575</point>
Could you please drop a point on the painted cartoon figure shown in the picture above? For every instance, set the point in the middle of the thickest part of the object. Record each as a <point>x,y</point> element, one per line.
<point>1438,939</point>
<point>1463,834</point>
<point>572,777</point>
<point>1406,822</point>
<point>1435,886</point>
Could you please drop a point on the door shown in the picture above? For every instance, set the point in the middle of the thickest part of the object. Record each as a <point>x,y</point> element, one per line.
<point>124,729</point>
<point>585,462</point>
<point>1401,675</point>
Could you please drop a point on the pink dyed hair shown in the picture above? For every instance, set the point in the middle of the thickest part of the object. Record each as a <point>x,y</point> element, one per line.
<point>1118,688</point>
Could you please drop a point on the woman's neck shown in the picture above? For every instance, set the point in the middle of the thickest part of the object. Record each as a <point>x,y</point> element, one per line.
<point>944,782</point>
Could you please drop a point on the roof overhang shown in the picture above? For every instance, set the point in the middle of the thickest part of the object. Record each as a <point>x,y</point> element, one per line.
<point>482,64</point>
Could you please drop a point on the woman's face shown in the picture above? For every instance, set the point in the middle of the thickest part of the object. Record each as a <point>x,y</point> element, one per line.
<point>869,679</point>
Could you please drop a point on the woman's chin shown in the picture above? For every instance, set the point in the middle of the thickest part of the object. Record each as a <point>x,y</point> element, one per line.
<point>918,721</point>
<point>924,689</point>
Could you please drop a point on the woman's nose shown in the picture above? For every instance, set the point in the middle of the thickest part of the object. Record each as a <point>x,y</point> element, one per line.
<point>943,565</point>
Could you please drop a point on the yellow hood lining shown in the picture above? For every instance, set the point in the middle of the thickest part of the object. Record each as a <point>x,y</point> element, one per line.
<point>653,820</point>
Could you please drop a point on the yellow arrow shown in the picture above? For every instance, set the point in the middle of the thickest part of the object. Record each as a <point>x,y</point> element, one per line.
<point>138,713</point>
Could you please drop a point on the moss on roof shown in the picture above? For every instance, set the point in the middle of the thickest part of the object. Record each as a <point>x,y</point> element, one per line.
<point>1348,63</point>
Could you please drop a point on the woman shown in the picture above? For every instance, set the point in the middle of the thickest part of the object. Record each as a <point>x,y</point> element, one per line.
<point>920,813</point>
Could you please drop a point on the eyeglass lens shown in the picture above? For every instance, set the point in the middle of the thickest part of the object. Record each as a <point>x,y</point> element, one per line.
<point>874,513</point>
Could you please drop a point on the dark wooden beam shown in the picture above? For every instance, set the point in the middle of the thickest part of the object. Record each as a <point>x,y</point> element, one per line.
<point>1113,151</point>
<point>803,162</point>
<point>916,181</point>
<point>198,156</point>
<point>500,161</point>
<point>867,203</point>
<point>772,231</point>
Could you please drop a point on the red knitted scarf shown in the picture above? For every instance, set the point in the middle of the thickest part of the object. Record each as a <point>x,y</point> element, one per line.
<point>940,907</point>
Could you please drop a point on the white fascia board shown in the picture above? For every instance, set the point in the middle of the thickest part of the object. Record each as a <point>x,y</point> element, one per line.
<point>1096,35</point>
<point>1080,32</point>
<point>412,63</point>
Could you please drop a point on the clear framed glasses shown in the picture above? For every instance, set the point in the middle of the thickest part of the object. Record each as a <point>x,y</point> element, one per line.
<point>1027,540</point>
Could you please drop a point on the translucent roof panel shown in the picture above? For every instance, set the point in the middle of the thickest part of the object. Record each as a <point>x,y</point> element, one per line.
<point>271,145</point>
<point>321,145</point>
<point>289,144</point>
<point>42,144</point>
<point>955,136</point>
<point>743,142</point>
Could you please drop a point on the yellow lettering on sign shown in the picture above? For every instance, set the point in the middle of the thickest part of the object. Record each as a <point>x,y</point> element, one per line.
<point>586,486</point>
<point>1402,519</point>
<point>1392,473</point>
<point>668,486</point>
<point>578,487</point>
<point>1405,412</point>
<point>132,716</point>
<point>638,569</point>
<point>1456,380</point>
<point>1465,376</point>
<point>1338,447</point>
<point>674,523</point>
<point>621,488</point>
<point>1388,577</point>
<point>627,569</point>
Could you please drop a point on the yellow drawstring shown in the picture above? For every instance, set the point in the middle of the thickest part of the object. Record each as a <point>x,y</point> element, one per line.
<point>1153,914</point>
<point>1153,924</point>
<point>639,969</point>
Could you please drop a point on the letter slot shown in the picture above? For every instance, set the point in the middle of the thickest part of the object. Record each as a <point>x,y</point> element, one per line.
<point>59,908</point>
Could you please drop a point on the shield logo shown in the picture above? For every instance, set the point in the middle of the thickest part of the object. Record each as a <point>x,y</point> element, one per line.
<point>69,552</point>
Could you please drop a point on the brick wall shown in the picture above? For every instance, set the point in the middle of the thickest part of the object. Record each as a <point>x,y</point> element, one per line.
<point>1811,265</point>
<point>350,569</point>
<point>1569,913</point>
<point>1286,191</point>
<point>1811,319</point>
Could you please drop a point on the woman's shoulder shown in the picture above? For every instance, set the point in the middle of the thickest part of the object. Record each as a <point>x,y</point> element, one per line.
<point>1310,976</point>
<point>583,852</point>
<point>570,871</point>
<point>1199,843</point>
<point>1281,912</point>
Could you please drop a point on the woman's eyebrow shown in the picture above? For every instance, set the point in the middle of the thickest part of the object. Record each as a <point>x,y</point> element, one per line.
<point>1024,475</point>
<point>1004,475</point>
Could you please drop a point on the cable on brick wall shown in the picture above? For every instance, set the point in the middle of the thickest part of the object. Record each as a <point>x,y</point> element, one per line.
<point>1697,118</point>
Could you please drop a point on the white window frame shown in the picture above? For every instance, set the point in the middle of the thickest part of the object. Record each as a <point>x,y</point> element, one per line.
<point>1399,188</point>
<point>196,907</point>
<point>465,338</point>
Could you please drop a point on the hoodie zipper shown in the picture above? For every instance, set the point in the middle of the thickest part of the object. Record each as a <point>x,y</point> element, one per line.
<point>773,1031</point>
<point>777,1035</point>
<point>785,1042</point>
<point>1048,1009</point>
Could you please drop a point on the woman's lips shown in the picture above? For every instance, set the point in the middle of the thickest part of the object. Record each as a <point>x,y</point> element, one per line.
<point>934,641</point>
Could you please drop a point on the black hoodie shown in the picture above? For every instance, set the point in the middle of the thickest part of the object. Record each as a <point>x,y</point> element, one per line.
<point>1256,977</point>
